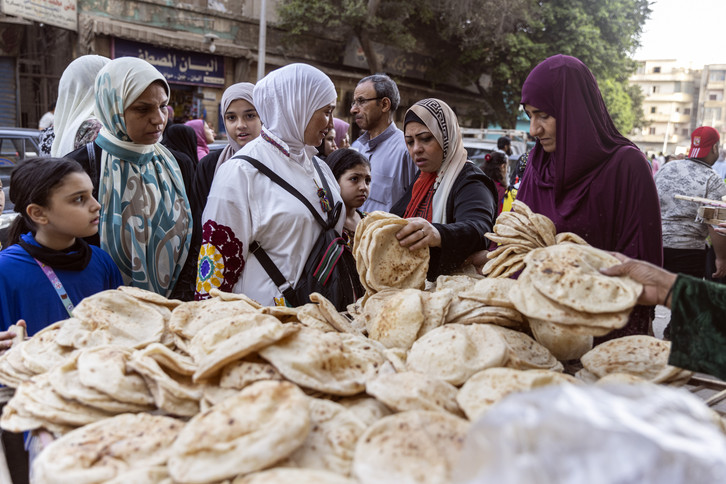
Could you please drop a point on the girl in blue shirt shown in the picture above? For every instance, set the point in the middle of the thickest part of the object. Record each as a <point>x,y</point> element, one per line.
<point>47,267</point>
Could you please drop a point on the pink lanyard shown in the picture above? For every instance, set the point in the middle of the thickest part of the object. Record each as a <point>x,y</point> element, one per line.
<point>58,286</point>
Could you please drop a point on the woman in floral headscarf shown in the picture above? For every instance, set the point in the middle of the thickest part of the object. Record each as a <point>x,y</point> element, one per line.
<point>295,104</point>
<point>452,203</point>
<point>145,219</point>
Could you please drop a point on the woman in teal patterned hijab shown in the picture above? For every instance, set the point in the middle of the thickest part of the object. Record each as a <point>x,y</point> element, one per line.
<point>146,223</point>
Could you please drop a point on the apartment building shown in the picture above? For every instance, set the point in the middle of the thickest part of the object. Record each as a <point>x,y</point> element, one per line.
<point>670,106</point>
<point>711,99</point>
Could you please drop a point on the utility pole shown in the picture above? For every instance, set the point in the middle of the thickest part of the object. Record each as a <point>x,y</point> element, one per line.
<point>262,40</point>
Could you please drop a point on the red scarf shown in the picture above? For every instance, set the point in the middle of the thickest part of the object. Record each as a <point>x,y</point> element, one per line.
<point>421,197</point>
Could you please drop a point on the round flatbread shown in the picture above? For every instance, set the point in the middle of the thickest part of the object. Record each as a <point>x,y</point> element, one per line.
<point>564,343</point>
<point>397,323</point>
<point>532,303</point>
<point>390,265</point>
<point>454,352</point>
<point>103,450</point>
<point>334,433</point>
<point>639,355</point>
<point>490,386</point>
<point>569,274</point>
<point>244,433</point>
<point>410,390</point>
<point>411,447</point>
<point>283,475</point>
<point>113,317</point>
<point>335,363</point>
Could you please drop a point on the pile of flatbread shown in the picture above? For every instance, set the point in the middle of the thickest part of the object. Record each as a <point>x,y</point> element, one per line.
<point>139,388</point>
<point>518,232</point>
<point>381,261</point>
<point>567,300</point>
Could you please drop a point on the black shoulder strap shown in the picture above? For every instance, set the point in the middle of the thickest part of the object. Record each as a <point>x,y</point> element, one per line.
<point>91,150</point>
<point>277,179</point>
<point>282,284</point>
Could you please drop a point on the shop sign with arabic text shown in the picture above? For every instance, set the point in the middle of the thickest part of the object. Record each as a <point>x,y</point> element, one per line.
<point>177,66</point>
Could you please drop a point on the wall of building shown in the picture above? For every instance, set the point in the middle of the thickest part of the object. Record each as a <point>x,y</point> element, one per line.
<point>669,106</point>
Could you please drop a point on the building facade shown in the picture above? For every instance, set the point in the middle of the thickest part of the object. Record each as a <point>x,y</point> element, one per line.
<point>670,105</point>
<point>677,101</point>
<point>711,99</point>
<point>201,46</point>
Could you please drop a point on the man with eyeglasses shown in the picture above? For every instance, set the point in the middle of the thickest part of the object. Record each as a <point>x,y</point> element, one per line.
<point>375,101</point>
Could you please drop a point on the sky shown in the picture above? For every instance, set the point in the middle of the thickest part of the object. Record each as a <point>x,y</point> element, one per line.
<point>690,31</point>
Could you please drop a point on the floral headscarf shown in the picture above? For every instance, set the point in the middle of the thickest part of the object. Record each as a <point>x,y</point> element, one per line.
<point>146,222</point>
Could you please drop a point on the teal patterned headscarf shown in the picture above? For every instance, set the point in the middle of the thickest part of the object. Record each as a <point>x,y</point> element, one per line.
<point>146,223</point>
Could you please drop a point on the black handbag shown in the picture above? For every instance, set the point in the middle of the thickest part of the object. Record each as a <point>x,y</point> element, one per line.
<point>330,268</point>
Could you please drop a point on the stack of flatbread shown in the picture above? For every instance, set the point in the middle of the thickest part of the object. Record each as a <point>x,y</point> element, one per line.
<point>568,300</point>
<point>639,356</point>
<point>381,261</point>
<point>518,232</point>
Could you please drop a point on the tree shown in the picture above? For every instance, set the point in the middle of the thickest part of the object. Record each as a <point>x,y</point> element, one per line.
<point>492,44</point>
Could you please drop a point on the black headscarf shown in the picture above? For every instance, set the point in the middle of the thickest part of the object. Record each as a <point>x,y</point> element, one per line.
<point>181,139</point>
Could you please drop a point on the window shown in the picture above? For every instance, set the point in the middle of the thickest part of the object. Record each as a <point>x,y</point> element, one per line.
<point>715,95</point>
<point>717,76</point>
<point>678,109</point>
<point>687,111</point>
<point>677,86</point>
<point>656,69</point>
<point>652,110</point>
<point>651,131</point>
<point>711,114</point>
<point>654,89</point>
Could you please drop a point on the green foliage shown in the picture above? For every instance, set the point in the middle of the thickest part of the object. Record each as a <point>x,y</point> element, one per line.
<point>619,104</point>
<point>493,44</point>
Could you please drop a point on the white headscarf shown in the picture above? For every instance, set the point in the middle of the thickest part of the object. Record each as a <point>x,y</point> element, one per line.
<point>287,98</point>
<point>75,101</point>
<point>241,90</point>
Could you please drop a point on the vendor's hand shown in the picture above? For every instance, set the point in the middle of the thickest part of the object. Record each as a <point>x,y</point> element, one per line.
<point>721,229</point>
<point>655,280</point>
<point>418,233</point>
<point>478,260</point>
<point>6,337</point>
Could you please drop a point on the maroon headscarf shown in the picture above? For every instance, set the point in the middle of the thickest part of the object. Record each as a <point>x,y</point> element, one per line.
<point>597,183</point>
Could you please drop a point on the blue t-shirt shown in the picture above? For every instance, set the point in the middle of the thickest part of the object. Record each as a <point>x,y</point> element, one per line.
<point>27,293</point>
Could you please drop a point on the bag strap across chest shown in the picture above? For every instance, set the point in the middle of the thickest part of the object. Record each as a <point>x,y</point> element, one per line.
<point>283,284</point>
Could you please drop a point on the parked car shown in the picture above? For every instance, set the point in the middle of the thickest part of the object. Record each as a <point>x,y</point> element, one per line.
<point>16,144</point>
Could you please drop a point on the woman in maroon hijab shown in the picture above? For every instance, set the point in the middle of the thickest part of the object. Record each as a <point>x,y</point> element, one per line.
<point>584,175</point>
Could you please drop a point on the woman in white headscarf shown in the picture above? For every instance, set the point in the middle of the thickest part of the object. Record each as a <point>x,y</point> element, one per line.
<point>75,125</point>
<point>295,104</point>
<point>145,219</point>
<point>452,203</point>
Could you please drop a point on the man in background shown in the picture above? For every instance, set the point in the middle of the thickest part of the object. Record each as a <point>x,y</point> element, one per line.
<point>375,101</point>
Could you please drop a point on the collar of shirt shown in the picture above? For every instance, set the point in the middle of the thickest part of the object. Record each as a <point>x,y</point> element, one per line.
<point>372,143</point>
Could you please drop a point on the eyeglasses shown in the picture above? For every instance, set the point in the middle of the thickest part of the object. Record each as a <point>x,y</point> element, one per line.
<point>361,101</point>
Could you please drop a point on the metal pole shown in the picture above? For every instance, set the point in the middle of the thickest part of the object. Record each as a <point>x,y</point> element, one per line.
<point>262,41</point>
